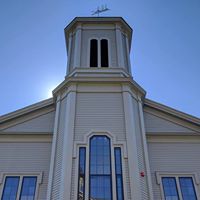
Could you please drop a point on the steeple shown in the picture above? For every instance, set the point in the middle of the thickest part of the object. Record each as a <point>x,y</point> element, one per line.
<point>98,46</point>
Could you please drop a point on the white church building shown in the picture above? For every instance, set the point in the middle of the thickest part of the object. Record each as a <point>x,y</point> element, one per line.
<point>99,137</point>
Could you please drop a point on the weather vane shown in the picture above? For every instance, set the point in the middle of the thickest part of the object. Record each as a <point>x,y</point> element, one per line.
<point>100,10</point>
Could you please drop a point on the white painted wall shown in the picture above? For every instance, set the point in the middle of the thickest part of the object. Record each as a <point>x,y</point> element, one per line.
<point>26,157</point>
<point>172,154</point>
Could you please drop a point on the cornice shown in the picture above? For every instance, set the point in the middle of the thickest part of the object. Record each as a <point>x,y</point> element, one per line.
<point>77,23</point>
<point>78,20</point>
<point>99,80</point>
<point>172,111</point>
<point>26,110</point>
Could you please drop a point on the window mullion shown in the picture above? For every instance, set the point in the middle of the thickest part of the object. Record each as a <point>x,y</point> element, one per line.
<point>178,188</point>
<point>87,174</point>
<point>99,53</point>
<point>113,173</point>
<point>19,187</point>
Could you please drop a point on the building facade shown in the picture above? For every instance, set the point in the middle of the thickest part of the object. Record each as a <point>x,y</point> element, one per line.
<point>99,138</point>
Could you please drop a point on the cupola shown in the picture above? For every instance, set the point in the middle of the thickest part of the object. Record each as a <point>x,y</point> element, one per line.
<point>98,46</point>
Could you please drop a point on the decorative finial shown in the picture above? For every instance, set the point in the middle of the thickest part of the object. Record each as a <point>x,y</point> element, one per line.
<point>100,10</point>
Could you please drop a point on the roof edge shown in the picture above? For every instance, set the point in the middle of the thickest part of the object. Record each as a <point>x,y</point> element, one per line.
<point>96,19</point>
<point>172,111</point>
<point>27,109</point>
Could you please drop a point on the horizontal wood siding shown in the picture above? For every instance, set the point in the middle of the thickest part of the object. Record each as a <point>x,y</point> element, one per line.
<point>40,124</point>
<point>99,111</point>
<point>140,152</point>
<point>26,157</point>
<point>156,124</point>
<point>74,172</point>
<point>59,153</point>
<point>127,179</point>
<point>173,157</point>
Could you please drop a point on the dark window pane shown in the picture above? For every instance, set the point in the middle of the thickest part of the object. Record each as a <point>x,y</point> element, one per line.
<point>28,188</point>
<point>93,53</point>
<point>118,171</point>
<point>170,189</point>
<point>104,53</point>
<point>10,188</point>
<point>100,187</point>
<point>81,179</point>
<point>100,168</point>
<point>187,188</point>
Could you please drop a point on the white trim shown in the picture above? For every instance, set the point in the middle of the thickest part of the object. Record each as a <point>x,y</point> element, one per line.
<point>25,138</point>
<point>119,45</point>
<point>145,151</point>
<point>26,110</point>
<point>172,111</point>
<point>128,56</point>
<point>176,175</point>
<point>86,143</point>
<point>93,132</point>
<point>99,52</point>
<point>65,190</point>
<point>69,54</point>
<point>173,139</point>
<point>53,150</point>
<point>3,176</point>
<point>77,48</point>
<point>132,146</point>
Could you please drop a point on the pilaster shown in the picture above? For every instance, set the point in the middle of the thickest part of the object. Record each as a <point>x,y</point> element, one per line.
<point>146,157</point>
<point>65,190</point>
<point>131,146</point>
<point>77,50</point>
<point>119,46</point>
<point>53,150</point>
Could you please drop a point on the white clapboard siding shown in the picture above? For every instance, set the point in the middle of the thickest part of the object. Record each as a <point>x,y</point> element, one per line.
<point>172,157</point>
<point>40,124</point>
<point>156,124</point>
<point>59,153</point>
<point>99,111</point>
<point>26,157</point>
<point>127,179</point>
<point>140,152</point>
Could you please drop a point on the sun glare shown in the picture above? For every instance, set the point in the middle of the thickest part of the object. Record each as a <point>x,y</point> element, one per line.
<point>49,93</point>
<point>49,90</point>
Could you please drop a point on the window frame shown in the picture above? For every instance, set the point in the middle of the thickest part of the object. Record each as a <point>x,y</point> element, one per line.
<point>3,176</point>
<point>79,172</point>
<point>84,142</point>
<point>101,175</point>
<point>121,171</point>
<point>176,175</point>
<point>99,52</point>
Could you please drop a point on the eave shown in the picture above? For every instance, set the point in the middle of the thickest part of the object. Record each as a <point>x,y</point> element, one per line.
<point>118,80</point>
<point>172,112</point>
<point>34,107</point>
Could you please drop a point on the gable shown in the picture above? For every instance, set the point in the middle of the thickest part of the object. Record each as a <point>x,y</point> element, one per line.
<point>36,118</point>
<point>43,123</point>
<point>155,124</point>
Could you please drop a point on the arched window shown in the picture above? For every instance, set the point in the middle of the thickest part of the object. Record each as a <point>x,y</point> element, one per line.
<point>93,53</point>
<point>100,179</point>
<point>99,53</point>
<point>104,53</point>
<point>97,174</point>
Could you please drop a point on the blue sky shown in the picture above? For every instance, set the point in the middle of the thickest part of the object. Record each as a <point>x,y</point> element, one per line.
<point>165,54</point>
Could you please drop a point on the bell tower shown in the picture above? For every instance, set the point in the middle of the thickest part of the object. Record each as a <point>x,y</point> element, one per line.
<point>99,148</point>
<point>98,45</point>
